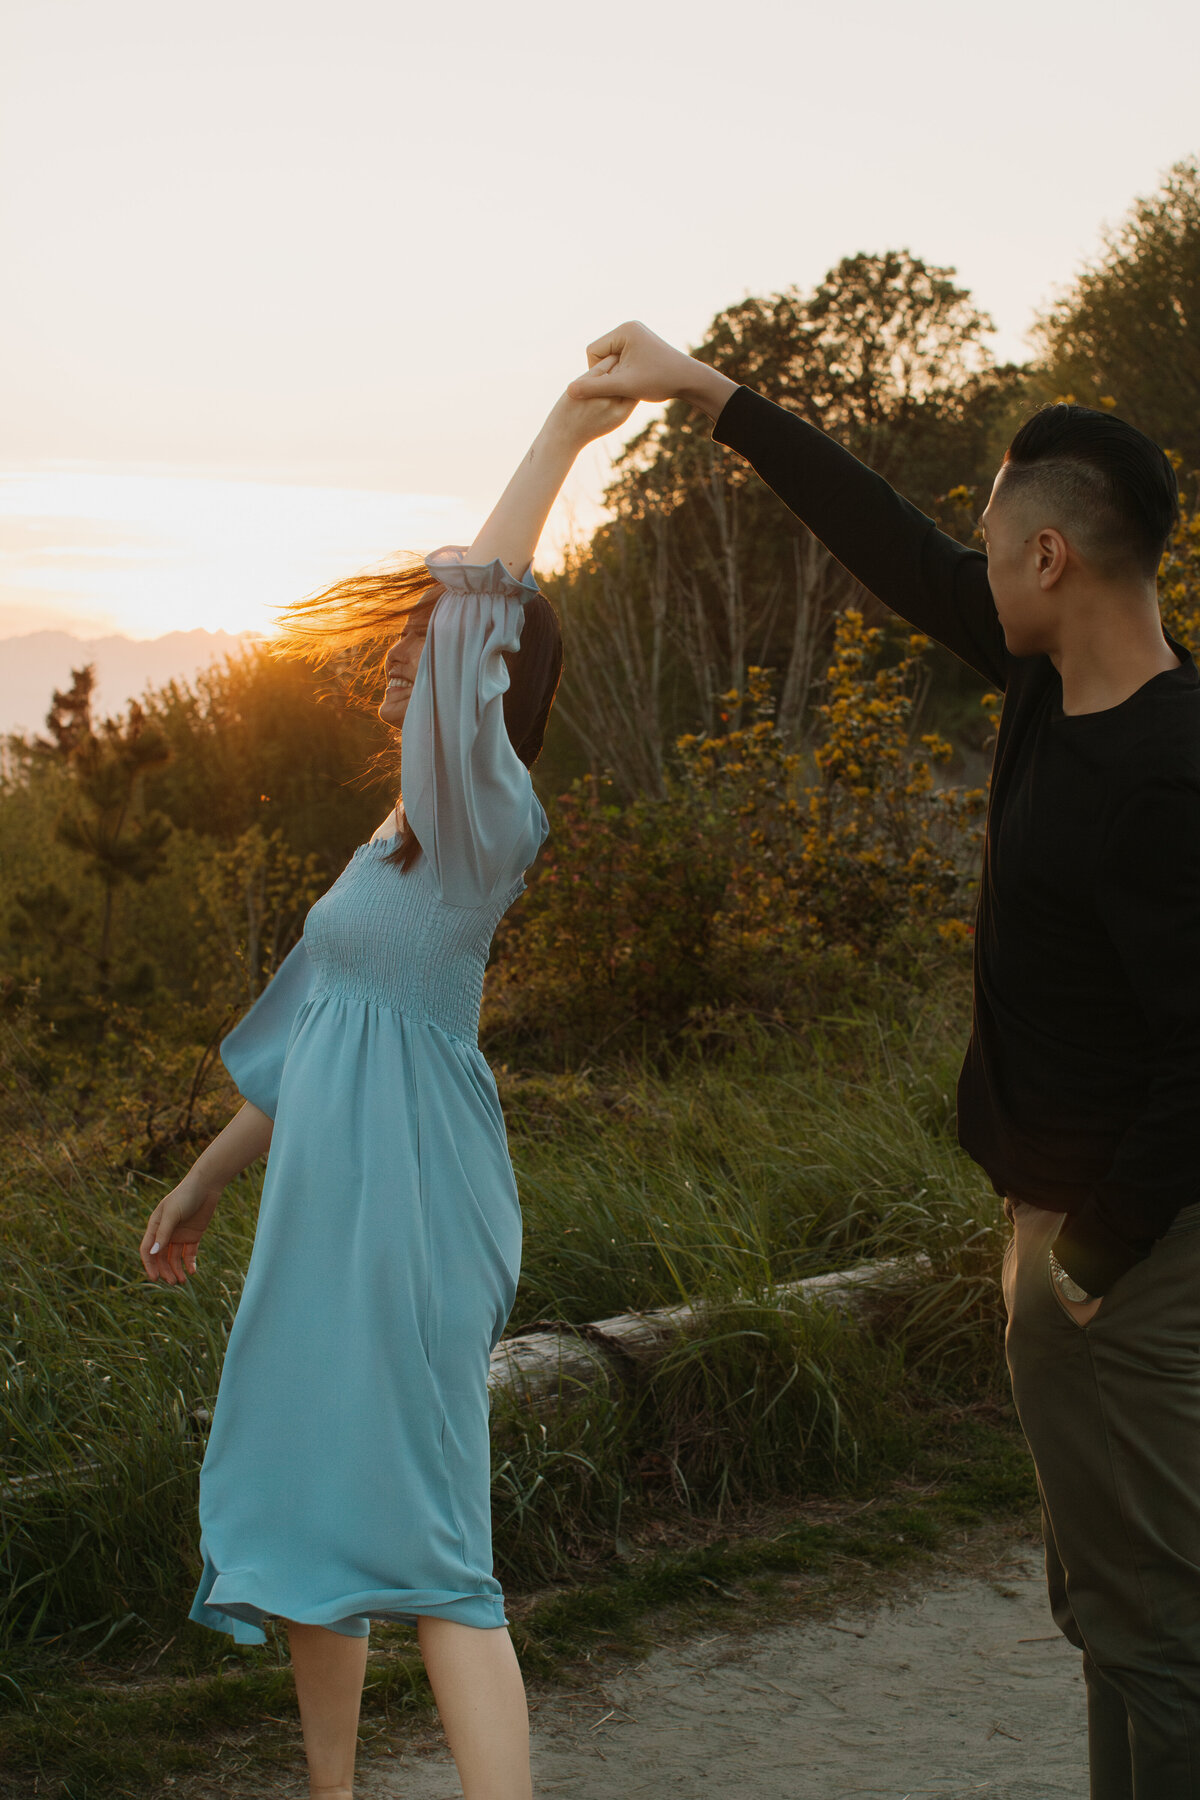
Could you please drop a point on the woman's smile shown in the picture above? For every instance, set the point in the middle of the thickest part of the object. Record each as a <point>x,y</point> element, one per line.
<point>400,671</point>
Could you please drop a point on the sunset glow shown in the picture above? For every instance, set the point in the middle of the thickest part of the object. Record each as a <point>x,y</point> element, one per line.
<point>146,554</point>
<point>291,288</point>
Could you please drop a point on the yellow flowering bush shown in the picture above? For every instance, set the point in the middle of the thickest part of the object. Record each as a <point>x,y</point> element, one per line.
<point>881,842</point>
<point>761,860</point>
<point>1179,581</point>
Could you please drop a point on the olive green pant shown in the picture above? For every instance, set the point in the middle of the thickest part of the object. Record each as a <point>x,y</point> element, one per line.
<point>1111,1410</point>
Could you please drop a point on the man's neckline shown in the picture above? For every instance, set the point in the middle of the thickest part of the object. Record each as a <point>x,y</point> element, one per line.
<point>1186,665</point>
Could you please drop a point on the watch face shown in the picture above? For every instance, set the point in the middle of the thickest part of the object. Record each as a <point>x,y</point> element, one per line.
<point>1067,1286</point>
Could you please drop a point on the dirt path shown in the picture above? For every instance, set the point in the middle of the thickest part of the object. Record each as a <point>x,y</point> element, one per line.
<point>965,1690</point>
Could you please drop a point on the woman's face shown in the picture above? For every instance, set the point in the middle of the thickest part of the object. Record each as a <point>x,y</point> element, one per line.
<point>400,668</point>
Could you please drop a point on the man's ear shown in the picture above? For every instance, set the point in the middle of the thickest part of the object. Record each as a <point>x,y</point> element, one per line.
<point>1051,556</point>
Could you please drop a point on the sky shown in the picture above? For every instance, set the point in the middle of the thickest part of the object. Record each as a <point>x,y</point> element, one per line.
<point>287,286</point>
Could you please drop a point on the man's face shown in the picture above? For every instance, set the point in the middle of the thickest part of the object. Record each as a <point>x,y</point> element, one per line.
<point>1027,611</point>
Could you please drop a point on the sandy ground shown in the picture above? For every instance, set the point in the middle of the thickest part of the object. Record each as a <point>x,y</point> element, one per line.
<point>965,1690</point>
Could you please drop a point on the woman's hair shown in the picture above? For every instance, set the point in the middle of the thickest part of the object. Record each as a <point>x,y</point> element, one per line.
<point>349,627</point>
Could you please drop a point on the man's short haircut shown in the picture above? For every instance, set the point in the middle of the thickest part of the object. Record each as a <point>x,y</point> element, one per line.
<point>1104,483</point>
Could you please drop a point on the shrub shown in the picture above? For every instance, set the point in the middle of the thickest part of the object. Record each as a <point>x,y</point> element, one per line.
<point>1179,581</point>
<point>761,877</point>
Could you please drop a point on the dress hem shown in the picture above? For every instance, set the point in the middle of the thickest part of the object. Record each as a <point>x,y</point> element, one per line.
<point>244,1619</point>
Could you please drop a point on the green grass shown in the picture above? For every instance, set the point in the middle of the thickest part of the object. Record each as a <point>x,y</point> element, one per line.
<point>89,1741</point>
<point>755,1159</point>
<point>734,1173</point>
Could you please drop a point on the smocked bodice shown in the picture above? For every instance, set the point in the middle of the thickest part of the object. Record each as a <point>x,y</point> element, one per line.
<point>385,935</point>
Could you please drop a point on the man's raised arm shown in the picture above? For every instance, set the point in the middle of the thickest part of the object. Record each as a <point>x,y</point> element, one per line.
<point>885,542</point>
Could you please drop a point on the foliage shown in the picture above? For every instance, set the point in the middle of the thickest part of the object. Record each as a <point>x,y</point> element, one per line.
<point>844,1151</point>
<point>1126,332</point>
<point>130,938</point>
<point>262,743</point>
<point>108,823</point>
<point>701,571</point>
<point>744,880</point>
<point>616,931</point>
<point>886,353</point>
<point>1179,580</point>
<point>144,1089</point>
<point>118,843</point>
<point>69,720</point>
<point>254,897</point>
<point>882,844</point>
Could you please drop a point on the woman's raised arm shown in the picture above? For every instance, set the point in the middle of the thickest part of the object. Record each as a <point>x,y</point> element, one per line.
<point>467,794</point>
<point>511,530</point>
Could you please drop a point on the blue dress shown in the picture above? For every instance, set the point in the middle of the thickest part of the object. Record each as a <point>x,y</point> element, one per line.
<point>347,1470</point>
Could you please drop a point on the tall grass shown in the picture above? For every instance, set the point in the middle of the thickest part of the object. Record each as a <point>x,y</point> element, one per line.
<point>108,1382</point>
<point>735,1174</point>
<point>721,1178</point>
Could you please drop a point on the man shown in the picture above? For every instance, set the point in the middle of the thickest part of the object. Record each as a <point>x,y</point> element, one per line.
<point>1080,1092</point>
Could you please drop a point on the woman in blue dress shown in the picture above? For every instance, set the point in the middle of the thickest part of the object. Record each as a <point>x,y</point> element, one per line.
<point>347,1470</point>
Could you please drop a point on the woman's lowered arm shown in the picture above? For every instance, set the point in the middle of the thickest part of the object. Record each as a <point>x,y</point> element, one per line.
<point>181,1217</point>
<point>512,528</point>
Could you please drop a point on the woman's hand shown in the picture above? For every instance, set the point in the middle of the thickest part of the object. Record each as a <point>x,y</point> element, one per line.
<point>633,363</point>
<point>511,530</point>
<point>176,1226</point>
<point>581,420</point>
<point>181,1218</point>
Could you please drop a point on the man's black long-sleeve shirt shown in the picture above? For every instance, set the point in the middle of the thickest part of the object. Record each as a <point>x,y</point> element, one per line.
<point>1080,1090</point>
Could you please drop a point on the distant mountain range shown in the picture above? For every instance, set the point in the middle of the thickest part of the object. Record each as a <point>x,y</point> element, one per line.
<point>31,667</point>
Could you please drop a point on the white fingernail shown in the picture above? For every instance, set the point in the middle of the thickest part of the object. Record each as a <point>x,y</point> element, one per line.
<point>154,1249</point>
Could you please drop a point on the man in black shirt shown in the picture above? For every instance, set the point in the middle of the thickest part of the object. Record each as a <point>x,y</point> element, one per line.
<point>1080,1091</point>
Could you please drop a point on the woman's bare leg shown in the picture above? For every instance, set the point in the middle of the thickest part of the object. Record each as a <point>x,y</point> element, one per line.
<point>476,1681</point>
<point>329,1669</point>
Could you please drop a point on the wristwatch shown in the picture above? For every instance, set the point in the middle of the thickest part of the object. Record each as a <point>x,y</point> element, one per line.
<point>1066,1284</point>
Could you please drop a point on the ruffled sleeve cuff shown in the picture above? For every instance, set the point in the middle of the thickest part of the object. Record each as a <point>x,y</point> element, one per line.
<point>450,567</point>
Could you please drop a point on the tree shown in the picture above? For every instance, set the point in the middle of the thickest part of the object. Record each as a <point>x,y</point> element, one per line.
<point>262,742</point>
<point>701,572</point>
<point>1127,330</point>
<point>69,720</point>
<point>253,897</point>
<point>105,821</point>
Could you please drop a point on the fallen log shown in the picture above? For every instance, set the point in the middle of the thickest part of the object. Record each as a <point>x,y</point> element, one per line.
<point>544,1364</point>
<point>560,1365</point>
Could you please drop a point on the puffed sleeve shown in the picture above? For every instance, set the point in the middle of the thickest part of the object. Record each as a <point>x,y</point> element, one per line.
<point>467,794</point>
<point>255,1050</point>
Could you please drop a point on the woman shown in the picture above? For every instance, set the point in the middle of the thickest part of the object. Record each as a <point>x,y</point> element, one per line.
<point>346,1476</point>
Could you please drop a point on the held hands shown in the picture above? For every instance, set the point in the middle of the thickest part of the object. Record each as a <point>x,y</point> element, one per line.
<point>635,364</point>
<point>580,419</point>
